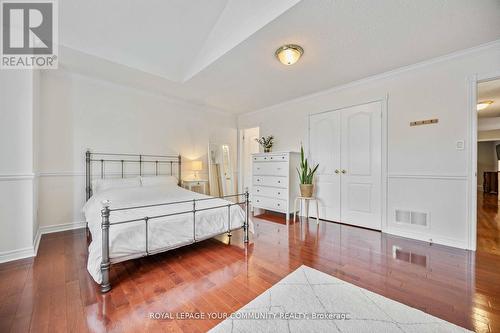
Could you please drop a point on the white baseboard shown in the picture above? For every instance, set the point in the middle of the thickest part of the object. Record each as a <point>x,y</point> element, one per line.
<point>17,254</point>
<point>424,237</point>
<point>33,250</point>
<point>48,229</point>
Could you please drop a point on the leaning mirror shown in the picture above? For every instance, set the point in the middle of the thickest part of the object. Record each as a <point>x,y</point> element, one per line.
<point>220,171</point>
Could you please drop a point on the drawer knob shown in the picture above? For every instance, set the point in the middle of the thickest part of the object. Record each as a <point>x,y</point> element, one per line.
<point>278,193</point>
<point>279,181</point>
<point>278,204</point>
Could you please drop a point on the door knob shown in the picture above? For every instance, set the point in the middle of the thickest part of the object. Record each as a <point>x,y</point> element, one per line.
<point>337,171</point>
<point>343,171</point>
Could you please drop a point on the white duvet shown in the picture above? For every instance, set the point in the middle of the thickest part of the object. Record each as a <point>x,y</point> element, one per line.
<point>127,240</point>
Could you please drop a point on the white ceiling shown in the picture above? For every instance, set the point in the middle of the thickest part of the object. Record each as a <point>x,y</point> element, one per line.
<point>221,52</point>
<point>489,91</point>
<point>174,39</point>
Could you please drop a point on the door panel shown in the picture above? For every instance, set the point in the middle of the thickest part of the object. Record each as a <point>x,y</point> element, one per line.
<point>361,157</point>
<point>360,197</point>
<point>358,138</point>
<point>324,143</point>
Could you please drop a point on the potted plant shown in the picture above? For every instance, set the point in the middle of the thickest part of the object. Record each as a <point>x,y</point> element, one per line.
<point>306,175</point>
<point>266,143</point>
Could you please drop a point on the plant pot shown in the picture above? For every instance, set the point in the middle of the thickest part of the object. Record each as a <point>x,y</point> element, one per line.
<point>267,150</point>
<point>306,190</point>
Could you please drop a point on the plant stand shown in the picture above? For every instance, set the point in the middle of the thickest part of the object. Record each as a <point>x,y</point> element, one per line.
<point>306,203</point>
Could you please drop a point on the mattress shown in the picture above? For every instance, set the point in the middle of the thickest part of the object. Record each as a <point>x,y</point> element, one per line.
<point>128,240</point>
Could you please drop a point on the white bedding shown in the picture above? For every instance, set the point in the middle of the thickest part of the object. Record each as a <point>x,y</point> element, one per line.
<point>128,240</point>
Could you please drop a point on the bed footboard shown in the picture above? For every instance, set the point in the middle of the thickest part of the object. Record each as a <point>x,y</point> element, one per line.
<point>105,264</point>
<point>245,225</point>
<point>105,225</point>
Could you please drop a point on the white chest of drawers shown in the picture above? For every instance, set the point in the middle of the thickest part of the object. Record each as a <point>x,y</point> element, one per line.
<point>275,182</point>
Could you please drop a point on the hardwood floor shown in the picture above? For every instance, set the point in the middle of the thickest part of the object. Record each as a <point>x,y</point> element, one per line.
<point>273,217</point>
<point>488,223</point>
<point>54,293</point>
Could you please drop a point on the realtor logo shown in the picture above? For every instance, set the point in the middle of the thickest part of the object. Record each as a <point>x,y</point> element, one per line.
<point>29,34</point>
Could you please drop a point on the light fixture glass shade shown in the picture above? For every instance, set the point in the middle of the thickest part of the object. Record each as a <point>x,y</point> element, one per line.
<point>483,105</point>
<point>197,166</point>
<point>289,54</point>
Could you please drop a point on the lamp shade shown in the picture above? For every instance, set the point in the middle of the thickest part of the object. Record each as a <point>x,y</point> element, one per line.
<point>196,165</point>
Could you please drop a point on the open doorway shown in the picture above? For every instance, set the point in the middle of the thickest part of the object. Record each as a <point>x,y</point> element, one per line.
<point>248,146</point>
<point>488,166</point>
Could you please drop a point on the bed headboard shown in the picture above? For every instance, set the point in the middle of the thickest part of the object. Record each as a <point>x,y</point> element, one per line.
<point>128,165</point>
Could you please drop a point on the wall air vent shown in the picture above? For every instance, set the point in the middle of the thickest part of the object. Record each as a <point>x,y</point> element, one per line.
<point>411,217</point>
<point>403,216</point>
<point>419,218</point>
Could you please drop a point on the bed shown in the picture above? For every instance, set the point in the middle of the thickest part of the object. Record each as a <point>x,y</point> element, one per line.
<point>131,215</point>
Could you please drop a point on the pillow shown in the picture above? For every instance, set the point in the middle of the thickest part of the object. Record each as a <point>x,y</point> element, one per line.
<point>99,185</point>
<point>158,180</point>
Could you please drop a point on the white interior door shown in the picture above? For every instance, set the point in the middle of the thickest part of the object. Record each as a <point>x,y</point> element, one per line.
<point>361,164</point>
<point>324,148</point>
<point>250,146</point>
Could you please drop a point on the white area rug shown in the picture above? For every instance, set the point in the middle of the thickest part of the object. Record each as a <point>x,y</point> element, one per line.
<point>290,305</point>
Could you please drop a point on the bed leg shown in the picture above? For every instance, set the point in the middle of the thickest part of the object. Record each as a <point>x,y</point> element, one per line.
<point>105,264</point>
<point>246,216</point>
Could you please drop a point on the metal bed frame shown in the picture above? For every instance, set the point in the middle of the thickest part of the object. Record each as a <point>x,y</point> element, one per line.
<point>101,158</point>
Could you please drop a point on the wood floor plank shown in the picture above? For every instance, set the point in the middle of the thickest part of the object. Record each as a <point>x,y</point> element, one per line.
<point>75,319</point>
<point>57,311</point>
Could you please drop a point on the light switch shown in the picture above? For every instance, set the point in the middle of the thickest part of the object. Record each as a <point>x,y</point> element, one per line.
<point>460,145</point>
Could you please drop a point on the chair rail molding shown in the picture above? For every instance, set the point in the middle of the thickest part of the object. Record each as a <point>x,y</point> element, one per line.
<point>426,176</point>
<point>62,174</point>
<point>17,176</point>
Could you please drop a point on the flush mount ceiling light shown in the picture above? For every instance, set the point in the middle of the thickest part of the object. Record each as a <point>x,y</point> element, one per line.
<point>483,105</point>
<point>289,54</point>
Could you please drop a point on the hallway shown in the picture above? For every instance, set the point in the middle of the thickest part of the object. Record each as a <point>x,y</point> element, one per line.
<point>488,223</point>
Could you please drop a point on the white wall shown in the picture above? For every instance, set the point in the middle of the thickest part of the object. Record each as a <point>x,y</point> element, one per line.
<point>18,93</point>
<point>78,112</point>
<point>425,170</point>
<point>488,124</point>
<point>488,129</point>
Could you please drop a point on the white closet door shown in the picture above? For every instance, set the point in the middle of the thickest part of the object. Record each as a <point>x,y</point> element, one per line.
<point>361,158</point>
<point>324,143</point>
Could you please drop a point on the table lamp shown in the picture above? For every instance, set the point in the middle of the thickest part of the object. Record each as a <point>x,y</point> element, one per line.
<point>196,166</point>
